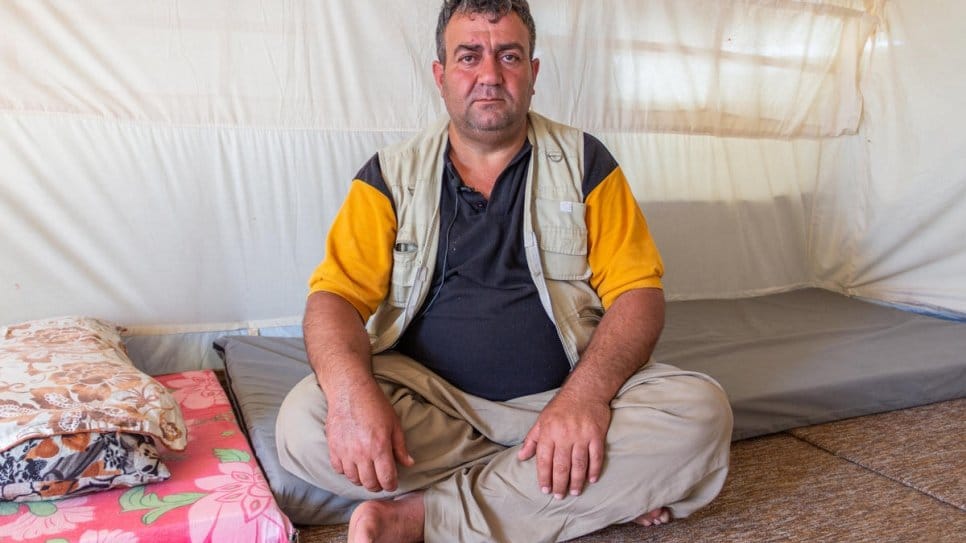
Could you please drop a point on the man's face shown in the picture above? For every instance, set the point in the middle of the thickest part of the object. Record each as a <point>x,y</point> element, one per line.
<point>488,77</point>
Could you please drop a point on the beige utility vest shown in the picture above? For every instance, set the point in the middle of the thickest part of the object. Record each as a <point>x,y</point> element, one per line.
<point>555,233</point>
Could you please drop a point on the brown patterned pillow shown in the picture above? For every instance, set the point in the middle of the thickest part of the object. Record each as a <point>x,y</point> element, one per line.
<point>52,467</point>
<point>71,377</point>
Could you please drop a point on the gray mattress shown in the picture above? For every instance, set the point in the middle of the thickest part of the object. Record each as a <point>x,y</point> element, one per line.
<point>261,370</point>
<point>785,360</point>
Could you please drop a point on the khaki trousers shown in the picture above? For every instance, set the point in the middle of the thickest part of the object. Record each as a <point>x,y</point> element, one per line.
<point>667,446</point>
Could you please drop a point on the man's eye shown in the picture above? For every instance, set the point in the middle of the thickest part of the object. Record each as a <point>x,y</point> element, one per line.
<point>511,58</point>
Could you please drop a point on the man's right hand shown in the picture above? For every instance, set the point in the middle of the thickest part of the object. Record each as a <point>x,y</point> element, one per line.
<point>364,433</point>
<point>366,438</point>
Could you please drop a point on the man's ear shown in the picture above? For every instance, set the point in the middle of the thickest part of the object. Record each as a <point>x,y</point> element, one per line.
<point>535,67</point>
<point>438,70</point>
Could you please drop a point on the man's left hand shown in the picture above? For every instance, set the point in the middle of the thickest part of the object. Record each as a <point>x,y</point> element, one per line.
<point>568,440</point>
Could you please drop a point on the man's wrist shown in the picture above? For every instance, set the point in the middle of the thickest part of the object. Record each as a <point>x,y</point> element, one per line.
<point>583,394</point>
<point>349,383</point>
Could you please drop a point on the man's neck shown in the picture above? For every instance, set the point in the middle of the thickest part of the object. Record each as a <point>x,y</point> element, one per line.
<point>480,162</point>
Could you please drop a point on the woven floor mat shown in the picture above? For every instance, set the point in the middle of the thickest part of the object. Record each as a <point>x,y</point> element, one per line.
<point>922,447</point>
<point>323,534</point>
<point>783,489</point>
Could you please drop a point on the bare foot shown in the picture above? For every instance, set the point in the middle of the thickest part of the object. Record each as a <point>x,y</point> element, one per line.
<point>661,515</point>
<point>388,521</point>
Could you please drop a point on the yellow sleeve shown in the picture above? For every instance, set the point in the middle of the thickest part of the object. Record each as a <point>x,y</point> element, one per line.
<point>358,251</point>
<point>621,252</point>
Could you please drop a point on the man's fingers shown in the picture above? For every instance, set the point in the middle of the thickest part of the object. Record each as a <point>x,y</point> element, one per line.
<point>378,471</point>
<point>561,471</point>
<point>399,450</point>
<point>385,474</point>
<point>579,461</point>
<point>596,450</point>
<point>529,447</point>
<point>351,473</point>
<point>368,478</point>
<point>336,463</point>
<point>545,467</point>
<point>375,474</point>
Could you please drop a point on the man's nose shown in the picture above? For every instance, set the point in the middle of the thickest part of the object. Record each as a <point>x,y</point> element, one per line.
<point>491,71</point>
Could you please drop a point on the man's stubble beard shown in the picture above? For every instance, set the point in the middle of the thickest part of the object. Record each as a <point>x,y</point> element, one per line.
<point>491,123</point>
<point>487,122</point>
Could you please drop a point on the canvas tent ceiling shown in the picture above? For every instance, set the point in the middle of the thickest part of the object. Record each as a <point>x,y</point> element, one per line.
<point>174,166</point>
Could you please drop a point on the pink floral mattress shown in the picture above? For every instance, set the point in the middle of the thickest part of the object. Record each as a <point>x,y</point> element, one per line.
<point>216,493</point>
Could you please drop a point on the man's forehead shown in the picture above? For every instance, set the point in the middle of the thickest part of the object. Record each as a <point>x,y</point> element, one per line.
<point>470,29</point>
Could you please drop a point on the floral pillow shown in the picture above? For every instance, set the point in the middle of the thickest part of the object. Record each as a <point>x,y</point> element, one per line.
<point>69,377</point>
<point>73,464</point>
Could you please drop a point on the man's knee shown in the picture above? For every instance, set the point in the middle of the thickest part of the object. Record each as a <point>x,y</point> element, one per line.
<point>300,427</point>
<point>710,409</point>
<point>691,406</point>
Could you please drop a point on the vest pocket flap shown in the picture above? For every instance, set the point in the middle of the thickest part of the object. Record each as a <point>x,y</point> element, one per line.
<point>568,241</point>
<point>564,253</point>
<point>565,267</point>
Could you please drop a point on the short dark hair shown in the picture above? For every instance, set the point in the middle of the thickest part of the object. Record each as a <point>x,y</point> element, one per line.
<point>495,9</point>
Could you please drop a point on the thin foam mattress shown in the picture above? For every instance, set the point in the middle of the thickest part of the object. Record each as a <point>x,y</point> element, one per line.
<point>785,360</point>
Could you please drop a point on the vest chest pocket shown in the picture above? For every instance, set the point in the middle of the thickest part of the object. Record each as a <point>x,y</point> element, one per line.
<point>562,238</point>
<point>403,273</point>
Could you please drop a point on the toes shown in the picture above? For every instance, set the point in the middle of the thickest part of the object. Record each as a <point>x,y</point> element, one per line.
<point>663,517</point>
<point>656,517</point>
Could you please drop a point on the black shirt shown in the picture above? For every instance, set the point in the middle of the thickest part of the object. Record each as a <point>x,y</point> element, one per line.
<point>482,326</point>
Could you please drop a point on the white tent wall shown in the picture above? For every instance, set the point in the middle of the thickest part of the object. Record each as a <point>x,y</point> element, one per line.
<point>890,221</point>
<point>174,167</point>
